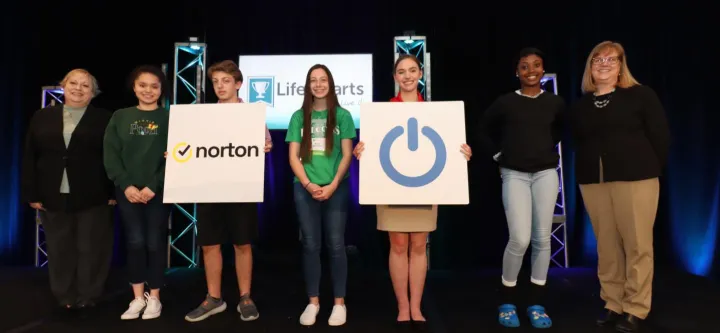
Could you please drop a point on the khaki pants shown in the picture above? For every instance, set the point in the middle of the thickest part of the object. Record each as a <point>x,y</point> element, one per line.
<point>623,216</point>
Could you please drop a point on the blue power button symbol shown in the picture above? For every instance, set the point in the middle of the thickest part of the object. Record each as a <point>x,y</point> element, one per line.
<point>417,181</point>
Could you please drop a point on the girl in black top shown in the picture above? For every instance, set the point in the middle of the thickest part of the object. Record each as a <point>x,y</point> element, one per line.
<point>622,139</point>
<point>521,130</point>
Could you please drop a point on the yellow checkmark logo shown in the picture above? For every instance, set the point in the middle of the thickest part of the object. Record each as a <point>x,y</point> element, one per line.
<point>182,152</point>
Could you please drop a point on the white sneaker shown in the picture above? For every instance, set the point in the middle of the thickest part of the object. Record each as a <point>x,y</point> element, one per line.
<point>338,315</point>
<point>154,307</point>
<point>308,316</point>
<point>133,312</point>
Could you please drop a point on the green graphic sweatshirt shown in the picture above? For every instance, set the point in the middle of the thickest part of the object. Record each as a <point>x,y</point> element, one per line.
<point>135,141</point>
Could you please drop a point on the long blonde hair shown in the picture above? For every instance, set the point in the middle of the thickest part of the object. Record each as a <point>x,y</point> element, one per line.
<point>625,78</point>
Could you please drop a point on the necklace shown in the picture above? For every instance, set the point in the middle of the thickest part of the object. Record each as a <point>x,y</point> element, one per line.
<point>602,101</point>
<point>519,92</point>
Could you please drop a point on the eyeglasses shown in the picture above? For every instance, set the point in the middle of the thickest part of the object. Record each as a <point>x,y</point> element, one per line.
<point>609,60</point>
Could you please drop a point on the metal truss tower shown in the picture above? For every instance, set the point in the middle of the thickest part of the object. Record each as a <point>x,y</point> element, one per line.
<point>189,75</point>
<point>417,46</point>
<point>51,95</point>
<point>558,239</point>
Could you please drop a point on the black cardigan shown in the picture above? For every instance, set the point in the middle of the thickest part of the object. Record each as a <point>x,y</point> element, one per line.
<point>630,134</point>
<point>45,157</point>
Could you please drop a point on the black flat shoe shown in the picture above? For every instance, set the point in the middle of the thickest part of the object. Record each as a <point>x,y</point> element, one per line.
<point>420,326</point>
<point>403,325</point>
<point>86,309</point>
<point>63,312</point>
<point>66,304</point>
<point>628,324</point>
<point>609,318</point>
<point>85,305</point>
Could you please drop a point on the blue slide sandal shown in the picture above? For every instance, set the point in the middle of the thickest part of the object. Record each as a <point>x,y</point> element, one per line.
<point>538,317</point>
<point>508,316</point>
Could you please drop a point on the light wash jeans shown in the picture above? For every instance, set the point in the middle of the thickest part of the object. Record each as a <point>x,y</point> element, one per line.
<point>529,200</point>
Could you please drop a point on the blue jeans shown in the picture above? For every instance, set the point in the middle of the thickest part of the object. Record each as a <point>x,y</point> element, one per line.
<point>314,216</point>
<point>146,227</point>
<point>529,200</point>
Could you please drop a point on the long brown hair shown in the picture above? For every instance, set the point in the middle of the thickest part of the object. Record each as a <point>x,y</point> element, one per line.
<point>332,103</point>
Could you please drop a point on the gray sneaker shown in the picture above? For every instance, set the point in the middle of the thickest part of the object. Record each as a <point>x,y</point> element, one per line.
<point>248,310</point>
<point>208,308</point>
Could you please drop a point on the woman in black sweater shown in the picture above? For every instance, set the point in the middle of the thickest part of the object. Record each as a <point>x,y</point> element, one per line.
<point>622,140</point>
<point>521,130</point>
<point>63,177</point>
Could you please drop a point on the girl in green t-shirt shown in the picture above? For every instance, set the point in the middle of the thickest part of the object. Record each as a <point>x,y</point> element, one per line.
<point>320,159</point>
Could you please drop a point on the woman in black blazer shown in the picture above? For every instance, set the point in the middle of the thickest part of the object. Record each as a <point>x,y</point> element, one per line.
<point>622,141</point>
<point>63,177</point>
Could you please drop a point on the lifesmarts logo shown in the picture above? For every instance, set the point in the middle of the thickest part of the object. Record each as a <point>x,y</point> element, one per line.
<point>183,151</point>
<point>266,88</point>
<point>261,90</point>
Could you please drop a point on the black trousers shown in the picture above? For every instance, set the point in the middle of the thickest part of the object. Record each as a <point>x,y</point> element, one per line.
<point>79,246</point>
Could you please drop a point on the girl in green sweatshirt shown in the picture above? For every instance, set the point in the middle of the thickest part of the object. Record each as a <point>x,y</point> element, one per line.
<point>135,140</point>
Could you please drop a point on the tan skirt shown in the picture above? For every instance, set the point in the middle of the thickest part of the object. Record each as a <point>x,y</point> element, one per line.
<point>399,218</point>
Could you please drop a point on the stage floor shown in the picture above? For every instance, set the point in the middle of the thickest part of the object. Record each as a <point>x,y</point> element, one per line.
<point>453,302</point>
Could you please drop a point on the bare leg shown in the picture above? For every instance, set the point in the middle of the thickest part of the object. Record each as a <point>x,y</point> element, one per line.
<point>398,265</point>
<point>138,290</point>
<point>418,270</point>
<point>243,267</point>
<point>213,269</point>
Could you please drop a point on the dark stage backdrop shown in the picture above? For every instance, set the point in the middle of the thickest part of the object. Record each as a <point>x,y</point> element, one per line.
<point>669,48</point>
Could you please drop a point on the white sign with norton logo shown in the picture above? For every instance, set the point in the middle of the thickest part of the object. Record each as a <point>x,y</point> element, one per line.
<point>215,153</point>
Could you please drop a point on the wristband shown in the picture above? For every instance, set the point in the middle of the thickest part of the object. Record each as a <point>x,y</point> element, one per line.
<point>306,185</point>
